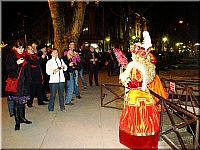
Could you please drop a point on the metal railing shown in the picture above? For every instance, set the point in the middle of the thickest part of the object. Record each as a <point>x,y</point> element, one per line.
<point>184,94</point>
<point>103,95</point>
<point>188,119</point>
<point>171,107</point>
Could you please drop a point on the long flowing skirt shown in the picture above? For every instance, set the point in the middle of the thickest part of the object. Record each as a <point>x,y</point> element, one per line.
<point>139,121</point>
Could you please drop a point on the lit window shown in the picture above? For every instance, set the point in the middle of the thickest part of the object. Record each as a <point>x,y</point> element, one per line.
<point>85,30</point>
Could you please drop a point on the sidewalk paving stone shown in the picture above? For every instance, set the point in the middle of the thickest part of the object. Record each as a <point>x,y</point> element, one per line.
<point>84,125</point>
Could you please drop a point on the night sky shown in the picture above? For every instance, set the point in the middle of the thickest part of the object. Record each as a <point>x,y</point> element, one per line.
<point>10,10</point>
<point>187,11</point>
<point>163,13</point>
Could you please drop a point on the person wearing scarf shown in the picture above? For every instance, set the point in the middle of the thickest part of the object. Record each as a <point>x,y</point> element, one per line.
<point>37,76</point>
<point>15,62</point>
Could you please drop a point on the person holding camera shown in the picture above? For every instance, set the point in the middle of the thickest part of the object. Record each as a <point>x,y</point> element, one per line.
<point>37,76</point>
<point>76,59</point>
<point>92,59</point>
<point>55,67</point>
<point>39,51</point>
<point>17,65</point>
<point>72,74</point>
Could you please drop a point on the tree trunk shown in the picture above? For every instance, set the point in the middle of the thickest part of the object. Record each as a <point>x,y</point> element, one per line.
<point>59,26</point>
<point>61,36</point>
<point>77,22</point>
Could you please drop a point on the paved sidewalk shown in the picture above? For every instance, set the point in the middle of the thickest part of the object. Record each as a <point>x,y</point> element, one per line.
<point>84,125</point>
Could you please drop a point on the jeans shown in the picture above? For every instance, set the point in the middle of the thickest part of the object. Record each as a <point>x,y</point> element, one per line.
<point>10,107</point>
<point>80,72</point>
<point>76,88</point>
<point>72,85</point>
<point>53,89</point>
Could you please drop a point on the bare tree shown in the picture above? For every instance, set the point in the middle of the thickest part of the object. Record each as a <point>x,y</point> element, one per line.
<point>62,34</point>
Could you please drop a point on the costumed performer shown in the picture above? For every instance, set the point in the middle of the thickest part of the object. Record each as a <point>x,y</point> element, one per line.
<point>140,119</point>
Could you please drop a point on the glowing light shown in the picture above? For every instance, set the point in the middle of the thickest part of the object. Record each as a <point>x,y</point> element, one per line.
<point>164,39</point>
<point>72,3</point>
<point>107,39</point>
<point>181,21</point>
<point>94,45</point>
<point>48,44</point>
<point>133,37</point>
<point>85,29</point>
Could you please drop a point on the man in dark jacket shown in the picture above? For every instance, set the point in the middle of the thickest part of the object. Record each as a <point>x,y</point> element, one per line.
<point>92,59</point>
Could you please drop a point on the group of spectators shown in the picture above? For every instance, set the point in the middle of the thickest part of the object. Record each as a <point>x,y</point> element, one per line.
<point>42,71</point>
<point>28,63</point>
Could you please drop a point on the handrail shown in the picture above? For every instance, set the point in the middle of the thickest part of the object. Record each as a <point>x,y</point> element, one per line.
<point>192,118</point>
<point>184,93</point>
<point>106,85</point>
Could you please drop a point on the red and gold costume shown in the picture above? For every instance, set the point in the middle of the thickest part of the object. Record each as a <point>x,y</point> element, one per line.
<point>140,119</point>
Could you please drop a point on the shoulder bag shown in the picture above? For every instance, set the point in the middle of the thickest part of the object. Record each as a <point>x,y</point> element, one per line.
<point>11,83</point>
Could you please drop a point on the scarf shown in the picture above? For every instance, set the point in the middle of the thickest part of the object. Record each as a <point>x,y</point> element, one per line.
<point>21,55</point>
<point>33,56</point>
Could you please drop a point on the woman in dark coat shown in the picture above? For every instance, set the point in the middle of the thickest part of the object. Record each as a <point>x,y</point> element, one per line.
<point>15,62</point>
<point>36,75</point>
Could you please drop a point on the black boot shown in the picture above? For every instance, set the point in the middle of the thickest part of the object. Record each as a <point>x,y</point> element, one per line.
<point>22,116</point>
<point>17,121</point>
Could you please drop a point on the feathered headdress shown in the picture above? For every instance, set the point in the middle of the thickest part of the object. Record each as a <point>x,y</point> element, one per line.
<point>142,48</point>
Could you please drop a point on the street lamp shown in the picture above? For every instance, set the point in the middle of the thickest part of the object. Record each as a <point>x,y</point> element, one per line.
<point>107,39</point>
<point>180,22</point>
<point>164,40</point>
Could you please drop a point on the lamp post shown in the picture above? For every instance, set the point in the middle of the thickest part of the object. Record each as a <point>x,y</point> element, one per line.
<point>164,40</point>
<point>107,39</point>
<point>177,45</point>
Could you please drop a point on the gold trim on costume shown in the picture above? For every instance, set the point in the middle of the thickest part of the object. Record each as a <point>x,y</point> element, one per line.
<point>138,134</point>
<point>135,96</point>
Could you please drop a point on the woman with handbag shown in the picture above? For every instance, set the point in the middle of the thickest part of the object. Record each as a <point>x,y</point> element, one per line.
<point>19,70</point>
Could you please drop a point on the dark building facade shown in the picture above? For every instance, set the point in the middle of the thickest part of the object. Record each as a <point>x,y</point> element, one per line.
<point>104,26</point>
